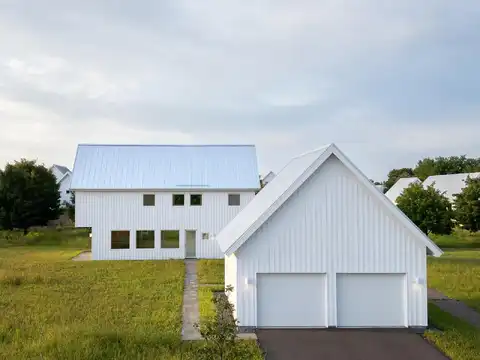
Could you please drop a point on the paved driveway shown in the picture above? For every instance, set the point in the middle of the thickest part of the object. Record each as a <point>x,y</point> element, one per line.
<point>346,344</point>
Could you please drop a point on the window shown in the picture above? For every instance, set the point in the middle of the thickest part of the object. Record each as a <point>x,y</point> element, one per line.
<point>233,199</point>
<point>120,239</point>
<point>148,199</point>
<point>178,199</point>
<point>170,239</point>
<point>145,239</point>
<point>205,236</point>
<point>196,200</point>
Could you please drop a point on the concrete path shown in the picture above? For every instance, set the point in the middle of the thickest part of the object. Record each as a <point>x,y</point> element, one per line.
<point>454,307</point>
<point>191,314</point>
<point>84,256</point>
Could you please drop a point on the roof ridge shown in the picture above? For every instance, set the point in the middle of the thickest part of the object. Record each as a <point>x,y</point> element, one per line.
<point>172,145</point>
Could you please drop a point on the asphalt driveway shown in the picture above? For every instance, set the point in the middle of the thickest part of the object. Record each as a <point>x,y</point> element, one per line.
<point>346,344</point>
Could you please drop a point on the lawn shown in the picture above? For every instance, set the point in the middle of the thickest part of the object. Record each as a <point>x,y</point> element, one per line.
<point>457,339</point>
<point>210,271</point>
<point>459,239</point>
<point>462,254</point>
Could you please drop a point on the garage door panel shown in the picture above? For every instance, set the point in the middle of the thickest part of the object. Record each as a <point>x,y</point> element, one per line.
<point>291,300</point>
<point>371,300</point>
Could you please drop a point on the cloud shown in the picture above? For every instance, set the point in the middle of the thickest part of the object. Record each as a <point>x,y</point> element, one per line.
<point>391,82</point>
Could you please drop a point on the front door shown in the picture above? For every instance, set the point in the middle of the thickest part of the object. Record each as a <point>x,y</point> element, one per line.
<point>190,243</point>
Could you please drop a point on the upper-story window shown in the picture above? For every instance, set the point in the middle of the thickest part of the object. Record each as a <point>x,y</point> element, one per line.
<point>196,199</point>
<point>233,199</point>
<point>148,199</point>
<point>178,199</point>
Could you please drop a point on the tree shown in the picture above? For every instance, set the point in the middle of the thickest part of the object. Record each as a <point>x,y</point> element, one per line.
<point>467,205</point>
<point>428,208</point>
<point>71,207</point>
<point>446,165</point>
<point>29,195</point>
<point>396,174</point>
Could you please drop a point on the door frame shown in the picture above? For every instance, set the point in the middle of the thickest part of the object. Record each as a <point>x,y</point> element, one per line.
<point>194,243</point>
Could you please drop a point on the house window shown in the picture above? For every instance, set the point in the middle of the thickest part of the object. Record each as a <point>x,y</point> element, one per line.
<point>233,199</point>
<point>145,239</point>
<point>205,236</point>
<point>148,199</point>
<point>196,200</point>
<point>170,239</point>
<point>120,239</point>
<point>178,199</point>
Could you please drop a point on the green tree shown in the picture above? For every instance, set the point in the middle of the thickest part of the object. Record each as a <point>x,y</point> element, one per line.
<point>425,168</point>
<point>29,195</point>
<point>71,207</point>
<point>396,174</point>
<point>467,205</point>
<point>446,165</point>
<point>428,208</point>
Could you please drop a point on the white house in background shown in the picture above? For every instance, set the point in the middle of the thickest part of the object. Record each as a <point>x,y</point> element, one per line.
<point>161,201</point>
<point>267,178</point>
<point>320,246</point>
<point>64,178</point>
<point>449,184</point>
<point>396,190</point>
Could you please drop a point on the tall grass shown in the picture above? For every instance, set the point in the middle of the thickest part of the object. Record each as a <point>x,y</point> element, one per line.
<point>57,237</point>
<point>459,239</point>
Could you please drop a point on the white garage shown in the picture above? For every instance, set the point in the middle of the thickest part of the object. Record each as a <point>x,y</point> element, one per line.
<point>291,300</point>
<point>320,246</point>
<point>371,300</point>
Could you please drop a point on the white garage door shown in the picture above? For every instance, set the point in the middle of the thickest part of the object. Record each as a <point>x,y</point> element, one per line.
<point>371,300</point>
<point>291,300</point>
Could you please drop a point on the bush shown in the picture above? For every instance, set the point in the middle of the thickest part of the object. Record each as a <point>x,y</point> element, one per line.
<point>467,205</point>
<point>428,208</point>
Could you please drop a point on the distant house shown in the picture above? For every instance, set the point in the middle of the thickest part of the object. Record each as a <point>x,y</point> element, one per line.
<point>267,178</point>
<point>450,184</point>
<point>320,246</point>
<point>161,201</point>
<point>64,177</point>
<point>397,189</point>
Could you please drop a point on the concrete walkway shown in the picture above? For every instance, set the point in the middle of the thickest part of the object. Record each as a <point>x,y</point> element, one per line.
<point>454,307</point>
<point>84,256</point>
<point>191,314</point>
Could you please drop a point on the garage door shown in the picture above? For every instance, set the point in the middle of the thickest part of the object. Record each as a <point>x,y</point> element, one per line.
<point>291,300</point>
<point>371,300</point>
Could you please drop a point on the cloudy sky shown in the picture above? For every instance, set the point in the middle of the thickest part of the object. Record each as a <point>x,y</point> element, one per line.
<point>388,81</point>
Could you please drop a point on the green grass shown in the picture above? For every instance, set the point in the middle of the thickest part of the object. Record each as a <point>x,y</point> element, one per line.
<point>456,277</point>
<point>459,239</point>
<point>61,237</point>
<point>462,254</point>
<point>210,271</point>
<point>457,339</point>
<point>55,308</point>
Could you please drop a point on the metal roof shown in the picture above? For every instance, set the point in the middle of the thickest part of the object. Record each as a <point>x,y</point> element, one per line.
<point>450,184</point>
<point>136,167</point>
<point>286,183</point>
<point>62,169</point>
<point>396,190</point>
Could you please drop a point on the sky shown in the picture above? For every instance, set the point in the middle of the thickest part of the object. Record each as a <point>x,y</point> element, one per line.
<point>390,82</point>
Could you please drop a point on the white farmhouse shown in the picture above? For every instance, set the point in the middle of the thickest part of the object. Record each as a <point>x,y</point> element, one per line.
<point>161,201</point>
<point>320,246</point>
<point>64,177</point>
<point>450,184</point>
<point>397,189</point>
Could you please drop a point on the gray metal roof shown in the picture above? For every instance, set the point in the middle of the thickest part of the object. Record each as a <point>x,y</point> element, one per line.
<point>450,184</point>
<point>396,190</point>
<point>62,169</point>
<point>109,167</point>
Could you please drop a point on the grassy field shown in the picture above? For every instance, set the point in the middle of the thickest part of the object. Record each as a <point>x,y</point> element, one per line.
<point>457,339</point>
<point>462,254</point>
<point>210,271</point>
<point>459,239</point>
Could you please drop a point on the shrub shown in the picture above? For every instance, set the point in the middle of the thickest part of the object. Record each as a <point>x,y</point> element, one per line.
<point>467,205</point>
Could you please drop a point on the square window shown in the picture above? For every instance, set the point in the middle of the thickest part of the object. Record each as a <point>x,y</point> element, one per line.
<point>145,239</point>
<point>205,236</point>
<point>148,199</point>
<point>120,239</point>
<point>233,199</point>
<point>196,200</point>
<point>170,239</point>
<point>178,199</point>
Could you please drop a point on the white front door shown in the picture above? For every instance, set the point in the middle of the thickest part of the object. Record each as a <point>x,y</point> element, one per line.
<point>371,300</point>
<point>190,244</point>
<point>291,300</point>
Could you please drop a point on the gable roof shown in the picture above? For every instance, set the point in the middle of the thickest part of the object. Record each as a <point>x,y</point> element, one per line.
<point>396,190</point>
<point>137,167</point>
<point>450,184</point>
<point>269,177</point>
<point>286,183</point>
<point>63,169</point>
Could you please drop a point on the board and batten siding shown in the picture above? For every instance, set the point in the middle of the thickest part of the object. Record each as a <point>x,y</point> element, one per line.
<point>109,210</point>
<point>331,225</point>
<point>231,279</point>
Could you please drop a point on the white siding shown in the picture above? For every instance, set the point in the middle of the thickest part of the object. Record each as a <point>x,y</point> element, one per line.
<point>231,279</point>
<point>331,225</point>
<point>64,186</point>
<point>107,211</point>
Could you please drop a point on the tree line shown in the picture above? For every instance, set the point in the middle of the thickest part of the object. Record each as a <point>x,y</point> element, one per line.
<point>29,195</point>
<point>430,209</point>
